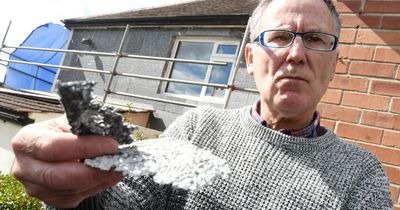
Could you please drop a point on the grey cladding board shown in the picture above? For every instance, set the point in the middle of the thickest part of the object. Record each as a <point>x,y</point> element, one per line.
<point>86,116</point>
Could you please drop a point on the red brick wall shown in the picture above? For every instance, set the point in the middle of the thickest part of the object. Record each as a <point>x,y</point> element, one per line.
<point>362,103</point>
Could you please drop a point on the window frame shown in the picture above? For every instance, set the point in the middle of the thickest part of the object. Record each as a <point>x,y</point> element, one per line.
<point>215,57</point>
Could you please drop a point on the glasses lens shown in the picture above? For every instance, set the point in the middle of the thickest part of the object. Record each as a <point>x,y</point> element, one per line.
<point>319,41</point>
<point>277,38</point>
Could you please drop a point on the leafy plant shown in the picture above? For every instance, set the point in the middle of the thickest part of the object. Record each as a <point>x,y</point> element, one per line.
<point>130,107</point>
<point>140,136</point>
<point>14,197</point>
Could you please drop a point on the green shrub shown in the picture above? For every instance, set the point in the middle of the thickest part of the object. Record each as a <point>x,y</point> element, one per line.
<point>13,196</point>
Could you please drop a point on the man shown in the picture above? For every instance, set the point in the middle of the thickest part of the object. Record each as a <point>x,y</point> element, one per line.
<point>281,158</point>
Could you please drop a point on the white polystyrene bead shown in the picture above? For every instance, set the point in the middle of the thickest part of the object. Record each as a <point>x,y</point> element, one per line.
<point>171,161</point>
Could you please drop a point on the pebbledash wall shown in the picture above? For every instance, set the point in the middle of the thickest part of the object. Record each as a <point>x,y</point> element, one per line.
<point>362,103</point>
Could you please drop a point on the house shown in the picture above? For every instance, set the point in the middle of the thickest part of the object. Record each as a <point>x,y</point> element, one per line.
<point>210,30</point>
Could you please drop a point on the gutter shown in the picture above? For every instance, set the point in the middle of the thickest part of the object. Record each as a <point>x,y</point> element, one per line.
<point>20,118</point>
<point>180,20</point>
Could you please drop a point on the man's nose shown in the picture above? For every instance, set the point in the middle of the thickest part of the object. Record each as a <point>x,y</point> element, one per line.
<point>296,51</point>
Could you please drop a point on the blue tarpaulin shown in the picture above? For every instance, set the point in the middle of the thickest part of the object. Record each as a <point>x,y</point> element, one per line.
<point>31,77</point>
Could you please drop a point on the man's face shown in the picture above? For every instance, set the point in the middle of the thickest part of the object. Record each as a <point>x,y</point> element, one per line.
<point>292,80</point>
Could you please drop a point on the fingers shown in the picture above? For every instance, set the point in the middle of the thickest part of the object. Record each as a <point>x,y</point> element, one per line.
<point>47,163</point>
<point>66,198</point>
<point>67,146</point>
<point>48,141</point>
<point>61,123</point>
<point>62,175</point>
<point>63,184</point>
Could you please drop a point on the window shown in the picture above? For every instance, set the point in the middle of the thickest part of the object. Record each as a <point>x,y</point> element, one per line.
<point>204,49</point>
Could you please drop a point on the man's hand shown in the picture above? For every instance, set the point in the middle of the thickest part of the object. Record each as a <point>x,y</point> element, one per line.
<point>47,163</point>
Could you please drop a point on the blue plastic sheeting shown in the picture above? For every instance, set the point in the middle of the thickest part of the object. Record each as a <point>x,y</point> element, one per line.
<point>31,77</point>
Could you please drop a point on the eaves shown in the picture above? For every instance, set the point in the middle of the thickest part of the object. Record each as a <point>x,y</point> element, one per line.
<point>21,118</point>
<point>217,20</point>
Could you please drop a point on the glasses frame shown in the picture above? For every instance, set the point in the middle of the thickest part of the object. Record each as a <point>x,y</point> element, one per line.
<point>260,39</point>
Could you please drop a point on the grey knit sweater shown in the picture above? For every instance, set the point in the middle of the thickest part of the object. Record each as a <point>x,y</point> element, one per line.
<point>270,170</point>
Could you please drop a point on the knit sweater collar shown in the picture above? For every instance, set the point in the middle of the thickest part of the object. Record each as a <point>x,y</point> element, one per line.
<point>279,139</point>
<point>312,130</point>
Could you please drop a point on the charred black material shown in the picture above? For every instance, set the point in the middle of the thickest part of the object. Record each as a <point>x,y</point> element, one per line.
<point>87,116</point>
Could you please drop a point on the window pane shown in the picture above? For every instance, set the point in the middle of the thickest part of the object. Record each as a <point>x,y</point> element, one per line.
<point>226,49</point>
<point>189,71</point>
<point>195,50</point>
<point>219,75</point>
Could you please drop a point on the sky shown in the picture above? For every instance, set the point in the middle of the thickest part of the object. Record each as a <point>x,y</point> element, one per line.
<point>26,15</point>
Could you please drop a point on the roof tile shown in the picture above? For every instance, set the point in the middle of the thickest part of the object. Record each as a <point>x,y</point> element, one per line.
<point>17,103</point>
<point>195,8</point>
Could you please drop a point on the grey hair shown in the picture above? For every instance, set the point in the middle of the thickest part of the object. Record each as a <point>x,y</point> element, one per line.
<point>263,5</point>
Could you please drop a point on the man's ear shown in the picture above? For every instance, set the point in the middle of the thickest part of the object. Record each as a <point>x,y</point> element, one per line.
<point>249,58</point>
<point>335,64</point>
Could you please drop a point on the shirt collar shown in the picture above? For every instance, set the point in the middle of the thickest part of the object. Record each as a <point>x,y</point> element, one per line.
<point>312,130</point>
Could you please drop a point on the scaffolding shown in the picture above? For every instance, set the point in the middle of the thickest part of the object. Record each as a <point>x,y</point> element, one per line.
<point>119,54</point>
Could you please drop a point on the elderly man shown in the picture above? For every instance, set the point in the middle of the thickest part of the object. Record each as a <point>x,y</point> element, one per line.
<point>281,158</point>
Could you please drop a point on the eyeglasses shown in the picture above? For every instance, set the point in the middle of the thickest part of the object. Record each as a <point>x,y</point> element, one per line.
<point>319,41</point>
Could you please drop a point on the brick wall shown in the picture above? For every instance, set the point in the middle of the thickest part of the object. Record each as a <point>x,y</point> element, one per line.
<point>362,103</point>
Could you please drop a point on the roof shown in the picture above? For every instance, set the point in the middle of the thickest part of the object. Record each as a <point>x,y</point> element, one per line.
<point>16,105</point>
<point>232,12</point>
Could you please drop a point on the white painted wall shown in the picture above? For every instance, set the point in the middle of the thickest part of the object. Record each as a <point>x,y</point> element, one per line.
<point>39,117</point>
<point>6,161</point>
<point>7,130</point>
